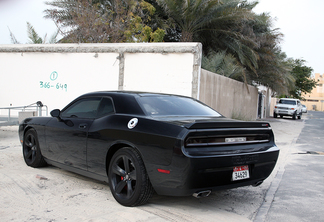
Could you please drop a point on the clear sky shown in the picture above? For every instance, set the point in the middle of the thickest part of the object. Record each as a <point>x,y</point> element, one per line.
<point>301,22</point>
<point>16,13</point>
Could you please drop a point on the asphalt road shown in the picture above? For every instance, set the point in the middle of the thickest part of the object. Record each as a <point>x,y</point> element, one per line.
<point>297,191</point>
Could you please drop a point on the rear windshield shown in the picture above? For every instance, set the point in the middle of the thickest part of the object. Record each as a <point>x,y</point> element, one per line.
<point>175,106</point>
<point>289,102</point>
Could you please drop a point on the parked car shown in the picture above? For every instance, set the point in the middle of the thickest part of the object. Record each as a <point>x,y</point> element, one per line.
<point>304,109</point>
<point>288,107</point>
<point>141,142</point>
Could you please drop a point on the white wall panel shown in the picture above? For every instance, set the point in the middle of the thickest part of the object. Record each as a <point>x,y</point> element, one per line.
<point>55,78</point>
<point>156,72</point>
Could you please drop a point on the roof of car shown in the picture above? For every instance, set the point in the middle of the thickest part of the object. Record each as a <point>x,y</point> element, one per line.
<point>130,93</point>
<point>289,99</point>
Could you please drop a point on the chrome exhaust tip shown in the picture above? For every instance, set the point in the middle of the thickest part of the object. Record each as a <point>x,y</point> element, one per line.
<point>200,194</point>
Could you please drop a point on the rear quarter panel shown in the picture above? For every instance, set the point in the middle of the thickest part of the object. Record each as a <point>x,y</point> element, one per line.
<point>154,140</point>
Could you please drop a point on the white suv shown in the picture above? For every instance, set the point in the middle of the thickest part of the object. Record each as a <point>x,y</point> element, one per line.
<point>288,107</point>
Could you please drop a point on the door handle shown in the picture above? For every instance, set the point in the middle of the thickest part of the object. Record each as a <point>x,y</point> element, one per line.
<point>83,126</point>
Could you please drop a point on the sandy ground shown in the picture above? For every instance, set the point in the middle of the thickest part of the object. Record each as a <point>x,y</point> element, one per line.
<point>52,194</point>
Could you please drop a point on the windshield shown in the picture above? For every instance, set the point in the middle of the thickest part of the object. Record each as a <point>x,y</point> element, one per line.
<point>175,106</point>
<point>289,102</point>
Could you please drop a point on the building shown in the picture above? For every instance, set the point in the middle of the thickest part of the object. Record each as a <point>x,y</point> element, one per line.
<point>315,99</point>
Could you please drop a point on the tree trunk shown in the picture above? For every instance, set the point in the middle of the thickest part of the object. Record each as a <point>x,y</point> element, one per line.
<point>186,36</point>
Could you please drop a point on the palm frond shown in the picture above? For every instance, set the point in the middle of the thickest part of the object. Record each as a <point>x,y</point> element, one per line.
<point>13,38</point>
<point>32,35</point>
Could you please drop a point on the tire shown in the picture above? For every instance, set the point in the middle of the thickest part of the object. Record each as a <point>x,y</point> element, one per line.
<point>294,116</point>
<point>31,151</point>
<point>274,115</point>
<point>128,179</point>
<point>281,116</point>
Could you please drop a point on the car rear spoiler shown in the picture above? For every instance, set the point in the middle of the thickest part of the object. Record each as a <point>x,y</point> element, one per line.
<point>226,124</point>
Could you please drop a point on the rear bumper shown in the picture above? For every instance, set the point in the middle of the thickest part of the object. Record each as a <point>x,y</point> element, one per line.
<point>189,175</point>
<point>284,112</point>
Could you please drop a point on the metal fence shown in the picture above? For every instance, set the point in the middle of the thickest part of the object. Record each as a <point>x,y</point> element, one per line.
<point>12,117</point>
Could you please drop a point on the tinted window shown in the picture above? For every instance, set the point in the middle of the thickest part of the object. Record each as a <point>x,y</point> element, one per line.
<point>175,106</point>
<point>288,102</point>
<point>105,107</point>
<point>84,108</point>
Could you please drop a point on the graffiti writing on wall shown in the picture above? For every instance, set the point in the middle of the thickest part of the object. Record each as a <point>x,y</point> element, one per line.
<point>52,84</point>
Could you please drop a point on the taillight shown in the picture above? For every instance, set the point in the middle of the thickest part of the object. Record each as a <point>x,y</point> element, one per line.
<point>203,141</point>
<point>225,140</point>
<point>164,171</point>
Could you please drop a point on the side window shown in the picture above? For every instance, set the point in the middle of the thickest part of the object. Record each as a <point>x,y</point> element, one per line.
<point>105,107</point>
<point>84,108</point>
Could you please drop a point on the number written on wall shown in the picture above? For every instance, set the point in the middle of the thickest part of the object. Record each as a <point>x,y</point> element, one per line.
<point>48,85</point>
<point>52,84</point>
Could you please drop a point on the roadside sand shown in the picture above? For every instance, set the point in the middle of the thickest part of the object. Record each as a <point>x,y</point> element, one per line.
<point>52,194</point>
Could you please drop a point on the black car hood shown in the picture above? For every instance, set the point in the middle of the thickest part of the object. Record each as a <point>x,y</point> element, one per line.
<point>194,122</point>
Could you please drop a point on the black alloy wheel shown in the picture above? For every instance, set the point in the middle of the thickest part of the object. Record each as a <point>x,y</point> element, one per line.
<point>31,151</point>
<point>128,179</point>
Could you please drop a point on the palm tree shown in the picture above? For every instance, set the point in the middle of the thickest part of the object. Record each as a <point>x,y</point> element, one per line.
<point>33,36</point>
<point>103,20</point>
<point>273,65</point>
<point>216,24</point>
<point>256,37</point>
<point>13,38</point>
<point>222,63</point>
<point>194,16</point>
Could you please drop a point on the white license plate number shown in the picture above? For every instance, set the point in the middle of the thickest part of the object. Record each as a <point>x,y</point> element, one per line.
<point>240,173</point>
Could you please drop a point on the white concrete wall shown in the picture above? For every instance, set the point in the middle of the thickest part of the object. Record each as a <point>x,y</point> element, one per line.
<point>54,78</point>
<point>169,74</point>
<point>231,98</point>
<point>56,74</point>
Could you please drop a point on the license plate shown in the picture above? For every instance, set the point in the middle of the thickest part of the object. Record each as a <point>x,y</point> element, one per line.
<point>240,173</point>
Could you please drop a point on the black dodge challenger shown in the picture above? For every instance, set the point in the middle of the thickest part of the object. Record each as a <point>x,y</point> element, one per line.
<point>145,142</point>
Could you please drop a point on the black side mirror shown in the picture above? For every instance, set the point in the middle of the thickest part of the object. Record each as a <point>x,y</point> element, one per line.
<point>56,113</point>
